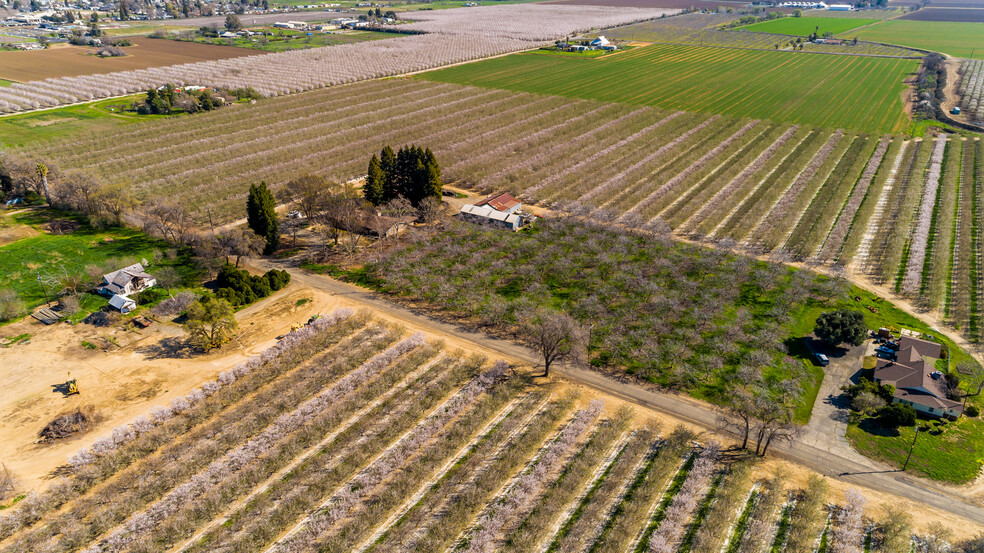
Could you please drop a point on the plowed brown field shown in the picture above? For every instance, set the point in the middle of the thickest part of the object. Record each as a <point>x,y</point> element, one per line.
<point>70,61</point>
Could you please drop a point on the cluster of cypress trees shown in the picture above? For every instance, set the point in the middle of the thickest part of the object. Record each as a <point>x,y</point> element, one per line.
<point>412,173</point>
<point>261,216</point>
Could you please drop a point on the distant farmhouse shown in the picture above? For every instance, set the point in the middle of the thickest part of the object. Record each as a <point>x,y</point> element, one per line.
<point>498,210</point>
<point>917,382</point>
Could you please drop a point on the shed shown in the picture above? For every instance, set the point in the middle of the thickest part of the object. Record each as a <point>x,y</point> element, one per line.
<point>487,215</point>
<point>123,303</point>
<point>600,41</point>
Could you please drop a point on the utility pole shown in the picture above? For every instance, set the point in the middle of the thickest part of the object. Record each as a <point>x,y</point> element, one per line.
<point>43,291</point>
<point>911,447</point>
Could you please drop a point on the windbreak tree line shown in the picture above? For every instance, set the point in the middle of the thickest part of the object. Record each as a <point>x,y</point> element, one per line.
<point>412,173</point>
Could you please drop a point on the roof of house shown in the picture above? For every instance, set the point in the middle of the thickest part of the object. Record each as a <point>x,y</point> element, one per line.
<point>500,202</point>
<point>124,275</point>
<point>929,400</point>
<point>924,347</point>
<point>903,375</point>
<point>913,382</point>
<point>489,213</point>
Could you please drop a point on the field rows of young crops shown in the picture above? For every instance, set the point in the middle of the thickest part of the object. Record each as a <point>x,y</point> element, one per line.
<point>701,29</point>
<point>350,435</point>
<point>792,87</point>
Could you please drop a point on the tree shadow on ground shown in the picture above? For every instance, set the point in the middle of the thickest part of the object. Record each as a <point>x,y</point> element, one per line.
<point>169,348</point>
<point>871,426</point>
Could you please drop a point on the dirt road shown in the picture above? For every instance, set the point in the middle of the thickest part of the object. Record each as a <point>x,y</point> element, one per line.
<point>818,458</point>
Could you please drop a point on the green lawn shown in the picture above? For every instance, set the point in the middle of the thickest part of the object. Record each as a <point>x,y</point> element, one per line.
<point>50,255</point>
<point>5,82</point>
<point>780,86</point>
<point>958,39</point>
<point>29,128</point>
<point>953,452</point>
<point>803,26</point>
<point>285,39</point>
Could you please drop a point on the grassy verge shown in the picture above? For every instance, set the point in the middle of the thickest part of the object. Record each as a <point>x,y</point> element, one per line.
<point>29,128</point>
<point>949,451</point>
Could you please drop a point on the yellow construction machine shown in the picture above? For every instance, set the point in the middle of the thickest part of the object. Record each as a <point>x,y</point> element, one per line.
<point>71,386</point>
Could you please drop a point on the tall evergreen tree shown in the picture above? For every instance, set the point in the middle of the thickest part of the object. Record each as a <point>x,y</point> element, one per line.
<point>433,187</point>
<point>374,191</point>
<point>261,216</point>
<point>387,163</point>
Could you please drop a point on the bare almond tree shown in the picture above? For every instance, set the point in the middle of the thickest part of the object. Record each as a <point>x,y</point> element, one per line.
<point>305,193</point>
<point>554,336</point>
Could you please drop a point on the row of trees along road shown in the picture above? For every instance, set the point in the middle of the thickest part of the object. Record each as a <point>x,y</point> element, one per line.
<point>412,173</point>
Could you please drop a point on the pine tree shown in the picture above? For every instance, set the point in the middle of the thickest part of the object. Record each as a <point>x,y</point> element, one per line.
<point>374,191</point>
<point>262,217</point>
<point>387,163</point>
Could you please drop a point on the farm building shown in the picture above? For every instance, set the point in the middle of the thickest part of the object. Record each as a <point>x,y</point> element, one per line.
<point>126,281</point>
<point>504,202</point>
<point>916,382</point>
<point>122,303</point>
<point>804,5</point>
<point>485,214</point>
<point>600,41</point>
<point>840,7</point>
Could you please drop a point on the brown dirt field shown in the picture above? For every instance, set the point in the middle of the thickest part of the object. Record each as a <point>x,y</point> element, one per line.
<point>968,15</point>
<point>665,4</point>
<point>69,61</point>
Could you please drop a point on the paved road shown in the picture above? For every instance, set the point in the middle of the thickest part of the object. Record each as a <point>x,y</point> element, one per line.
<point>822,459</point>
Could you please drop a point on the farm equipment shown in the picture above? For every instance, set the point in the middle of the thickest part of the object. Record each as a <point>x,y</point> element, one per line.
<point>71,387</point>
<point>296,326</point>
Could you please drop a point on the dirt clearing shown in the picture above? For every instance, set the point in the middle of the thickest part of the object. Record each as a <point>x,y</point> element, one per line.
<point>70,61</point>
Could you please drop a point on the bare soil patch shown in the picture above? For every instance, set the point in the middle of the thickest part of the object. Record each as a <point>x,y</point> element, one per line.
<point>70,61</point>
<point>967,15</point>
<point>13,233</point>
<point>665,4</point>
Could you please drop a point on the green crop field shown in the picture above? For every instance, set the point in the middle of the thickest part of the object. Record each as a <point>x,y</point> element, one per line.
<point>803,26</point>
<point>780,86</point>
<point>958,39</point>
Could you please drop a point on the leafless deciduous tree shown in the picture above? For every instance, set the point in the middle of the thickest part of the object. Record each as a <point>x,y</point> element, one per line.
<point>116,200</point>
<point>6,482</point>
<point>305,194</point>
<point>167,219</point>
<point>239,243</point>
<point>554,336</point>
